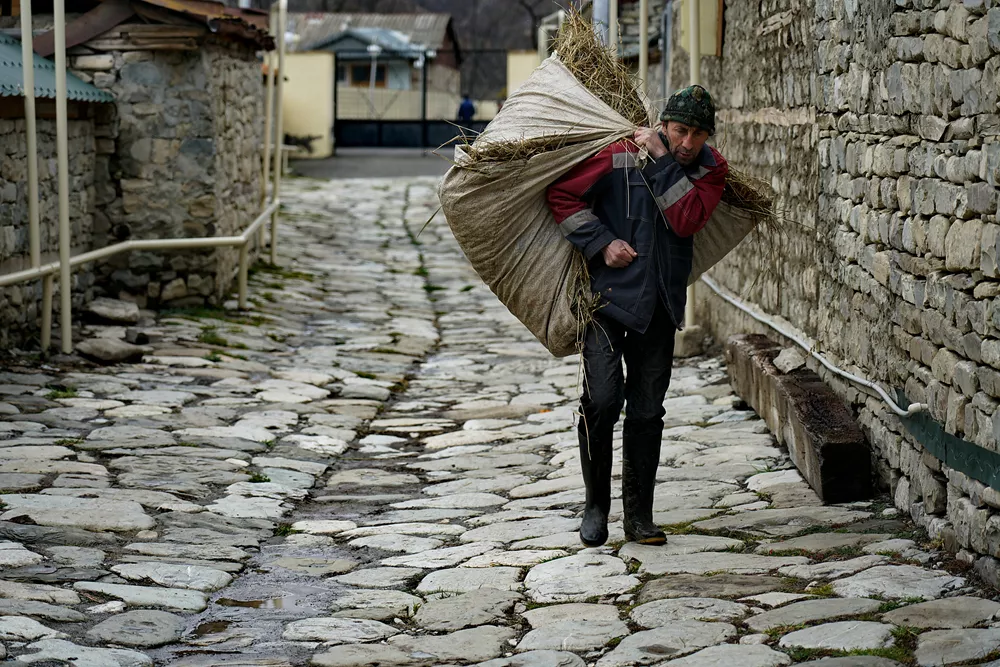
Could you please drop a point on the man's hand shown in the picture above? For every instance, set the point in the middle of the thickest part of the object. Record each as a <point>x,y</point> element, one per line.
<point>618,254</point>
<point>648,138</point>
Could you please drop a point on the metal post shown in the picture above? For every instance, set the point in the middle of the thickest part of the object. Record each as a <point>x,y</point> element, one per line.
<point>600,10</point>
<point>694,54</point>
<point>28,59</point>
<point>644,45</point>
<point>244,269</point>
<point>278,131</point>
<point>268,115</point>
<point>47,284</point>
<point>62,161</point>
<point>694,41</point>
<point>34,235</point>
<point>423,101</point>
<point>613,37</point>
<point>543,43</point>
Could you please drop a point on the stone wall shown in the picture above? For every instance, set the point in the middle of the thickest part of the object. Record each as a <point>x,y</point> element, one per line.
<point>877,125</point>
<point>185,163</point>
<point>20,305</point>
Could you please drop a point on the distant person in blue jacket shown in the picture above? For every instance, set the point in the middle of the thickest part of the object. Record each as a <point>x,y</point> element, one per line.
<point>466,110</point>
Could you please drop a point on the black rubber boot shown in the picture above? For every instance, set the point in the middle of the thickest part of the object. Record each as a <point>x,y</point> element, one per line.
<point>641,456</point>
<point>596,466</point>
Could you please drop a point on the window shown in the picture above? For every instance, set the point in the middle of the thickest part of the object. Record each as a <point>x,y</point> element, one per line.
<point>342,75</point>
<point>361,75</point>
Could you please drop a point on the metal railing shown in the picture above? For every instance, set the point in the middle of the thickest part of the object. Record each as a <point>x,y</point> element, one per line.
<point>66,262</point>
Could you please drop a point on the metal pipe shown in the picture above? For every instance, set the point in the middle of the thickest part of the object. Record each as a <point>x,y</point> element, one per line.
<point>268,115</point>
<point>28,69</point>
<point>49,269</point>
<point>644,45</point>
<point>423,103</point>
<point>244,269</point>
<point>62,162</point>
<point>694,54</point>
<point>911,409</point>
<point>47,312</point>
<point>694,41</point>
<point>600,9</point>
<point>278,127</point>
<point>666,28</point>
<point>613,37</point>
<point>543,43</point>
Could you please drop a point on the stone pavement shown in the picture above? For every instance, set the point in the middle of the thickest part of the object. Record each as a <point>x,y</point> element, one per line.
<point>377,466</point>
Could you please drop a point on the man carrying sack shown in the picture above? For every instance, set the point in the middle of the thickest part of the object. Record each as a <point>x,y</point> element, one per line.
<point>634,227</point>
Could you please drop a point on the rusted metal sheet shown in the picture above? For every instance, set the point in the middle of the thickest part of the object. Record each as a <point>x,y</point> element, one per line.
<point>233,23</point>
<point>94,23</point>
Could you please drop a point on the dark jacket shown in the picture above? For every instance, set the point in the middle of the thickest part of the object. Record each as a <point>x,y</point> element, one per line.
<point>656,210</point>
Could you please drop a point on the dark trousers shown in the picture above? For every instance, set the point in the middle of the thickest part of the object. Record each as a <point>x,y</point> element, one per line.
<point>649,357</point>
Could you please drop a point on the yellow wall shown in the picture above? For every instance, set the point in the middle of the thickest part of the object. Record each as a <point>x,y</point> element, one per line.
<point>520,65</point>
<point>708,13</point>
<point>308,99</point>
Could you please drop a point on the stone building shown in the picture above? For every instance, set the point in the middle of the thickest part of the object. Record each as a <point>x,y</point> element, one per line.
<point>878,126</point>
<point>88,109</point>
<point>177,154</point>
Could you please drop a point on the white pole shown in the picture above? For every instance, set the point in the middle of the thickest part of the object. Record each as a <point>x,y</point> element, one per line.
<point>28,58</point>
<point>543,43</point>
<point>34,237</point>
<point>694,27</point>
<point>600,13</point>
<point>644,45</point>
<point>613,37</point>
<point>62,161</point>
<point>268,125</point>
<point>694,53</point>
<point>279,117</point>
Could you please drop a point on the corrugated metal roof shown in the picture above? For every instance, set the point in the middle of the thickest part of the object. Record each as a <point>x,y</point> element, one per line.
<point>12,77</point>
<point>353,43</point>
<point>429,30</point>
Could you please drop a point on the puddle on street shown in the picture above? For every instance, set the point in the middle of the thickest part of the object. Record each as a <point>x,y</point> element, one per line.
<point>273,603</point>
<point>211,628</point>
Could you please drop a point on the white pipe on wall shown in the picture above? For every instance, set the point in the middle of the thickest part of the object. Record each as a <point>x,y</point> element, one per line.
<point>279,118</point>
<point>27,59</point>
<point>644,45</point>
<point>613,36</point>
<point>911,409</point>
<point>694,53</point>
<point>62,162</point>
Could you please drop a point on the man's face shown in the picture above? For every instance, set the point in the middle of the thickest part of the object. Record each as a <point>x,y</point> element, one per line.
<point>684,141</point>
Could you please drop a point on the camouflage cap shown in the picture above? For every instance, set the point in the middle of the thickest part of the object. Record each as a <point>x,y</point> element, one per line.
<point>692,106</point>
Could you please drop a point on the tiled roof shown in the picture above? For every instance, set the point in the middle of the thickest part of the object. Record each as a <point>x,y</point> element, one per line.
<point>12,76</point>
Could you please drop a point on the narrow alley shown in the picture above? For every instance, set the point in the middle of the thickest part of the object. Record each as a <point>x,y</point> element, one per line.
<point>377,465</point>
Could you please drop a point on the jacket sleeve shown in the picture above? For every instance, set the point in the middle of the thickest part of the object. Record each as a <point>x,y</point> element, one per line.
<point>575,217</point>
<point>687,196</point>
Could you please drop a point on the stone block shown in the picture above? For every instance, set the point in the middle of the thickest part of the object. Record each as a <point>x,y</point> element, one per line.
<point>993,29</point>
<point>102,62</point>
<point>931,128</point>
<point>823,440</point>
<point>689,342</point>
<point>963,245</point>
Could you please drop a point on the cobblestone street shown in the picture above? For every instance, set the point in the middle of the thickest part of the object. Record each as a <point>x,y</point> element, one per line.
<point>377,465</point>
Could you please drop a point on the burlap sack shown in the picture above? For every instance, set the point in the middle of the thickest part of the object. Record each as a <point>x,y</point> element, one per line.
<point>499,215</point>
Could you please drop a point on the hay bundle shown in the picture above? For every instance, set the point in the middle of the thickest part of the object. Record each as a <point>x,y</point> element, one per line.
<point>609,79</point>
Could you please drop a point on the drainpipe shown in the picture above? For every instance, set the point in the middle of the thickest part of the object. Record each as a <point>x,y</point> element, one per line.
<point>34,237</point>
<point>694,51</point>
<point>666,42</point>
<point>644,46</point>
<point>613,37</point>
<point>268,117</point>
<point>62,161</point>
<point>600,9</point>
<point>279,138</point>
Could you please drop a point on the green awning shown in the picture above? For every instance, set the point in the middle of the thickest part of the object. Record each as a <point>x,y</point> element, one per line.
<point>12,76</point>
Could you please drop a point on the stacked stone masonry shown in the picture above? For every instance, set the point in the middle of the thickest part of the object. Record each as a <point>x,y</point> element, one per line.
<point>183,161</point>
<point>878,126</point>
<point>20,305</point>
